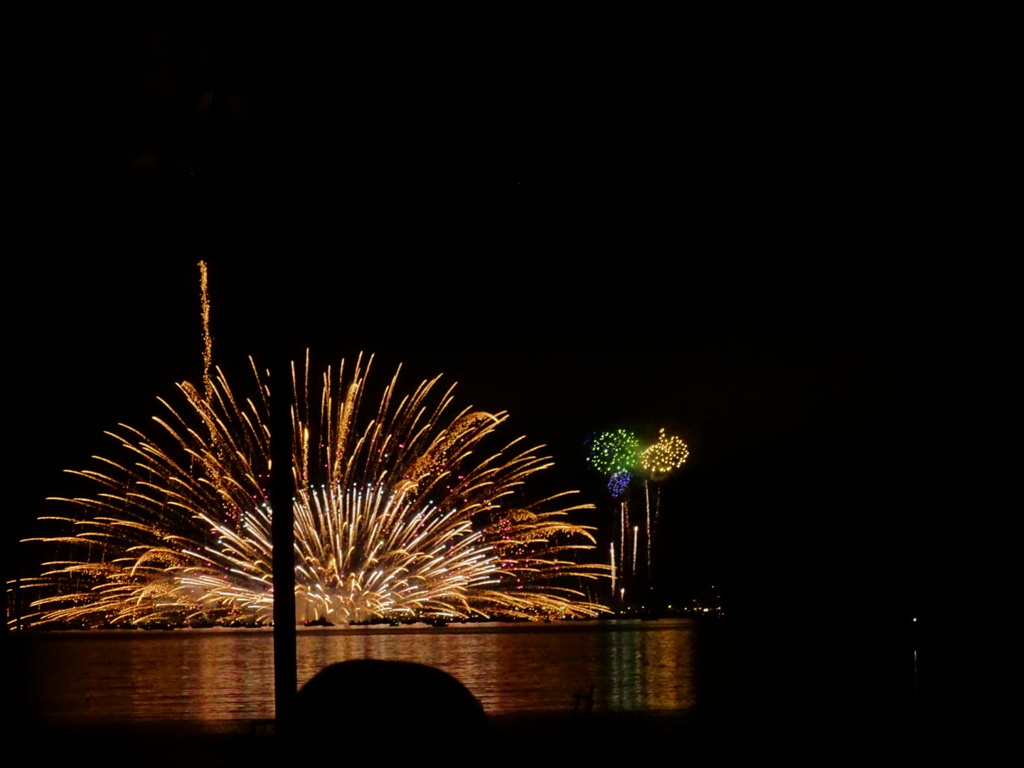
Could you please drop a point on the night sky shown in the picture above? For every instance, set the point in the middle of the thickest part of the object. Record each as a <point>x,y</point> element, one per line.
<point>774,229</point>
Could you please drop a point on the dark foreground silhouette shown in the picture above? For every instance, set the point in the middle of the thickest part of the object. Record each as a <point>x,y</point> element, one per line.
<point>370,707</point>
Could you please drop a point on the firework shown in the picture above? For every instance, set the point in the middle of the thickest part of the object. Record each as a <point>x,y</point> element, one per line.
<point>611,550</point>
<point>612,452</point>
<point>617,453</point>
<point>658,459</point>
<point>636,533</point>
<point>618,483</point>
<point>668,453</point>
<point>401,515</point>
<point>204,313</point>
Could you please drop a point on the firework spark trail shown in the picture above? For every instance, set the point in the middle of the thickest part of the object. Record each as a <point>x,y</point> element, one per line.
<point>611,549</point>
<point>204,304</point>
<point>402,515</point>
<point>665,455</point>
<point>623,527</point>
<point>650,534</point>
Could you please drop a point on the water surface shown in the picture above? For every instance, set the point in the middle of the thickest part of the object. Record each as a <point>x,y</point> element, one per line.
<point>227,674</point>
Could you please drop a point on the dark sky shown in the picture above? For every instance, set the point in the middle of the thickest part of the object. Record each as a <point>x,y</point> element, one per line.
<point>774,228</point>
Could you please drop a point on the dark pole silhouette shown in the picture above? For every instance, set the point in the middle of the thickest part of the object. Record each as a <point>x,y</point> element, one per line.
<point>282,492</point>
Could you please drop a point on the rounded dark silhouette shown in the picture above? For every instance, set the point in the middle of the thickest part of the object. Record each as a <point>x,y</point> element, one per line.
<point>369,706</point>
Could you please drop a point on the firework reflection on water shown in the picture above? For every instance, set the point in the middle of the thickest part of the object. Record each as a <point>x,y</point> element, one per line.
<point>221,675</point>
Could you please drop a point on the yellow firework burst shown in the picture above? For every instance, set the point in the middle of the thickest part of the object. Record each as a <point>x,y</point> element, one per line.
<point>667,453</point>
<point>404,514</point>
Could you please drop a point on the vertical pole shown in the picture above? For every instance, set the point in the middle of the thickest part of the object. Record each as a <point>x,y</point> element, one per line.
<point>282,493</point>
